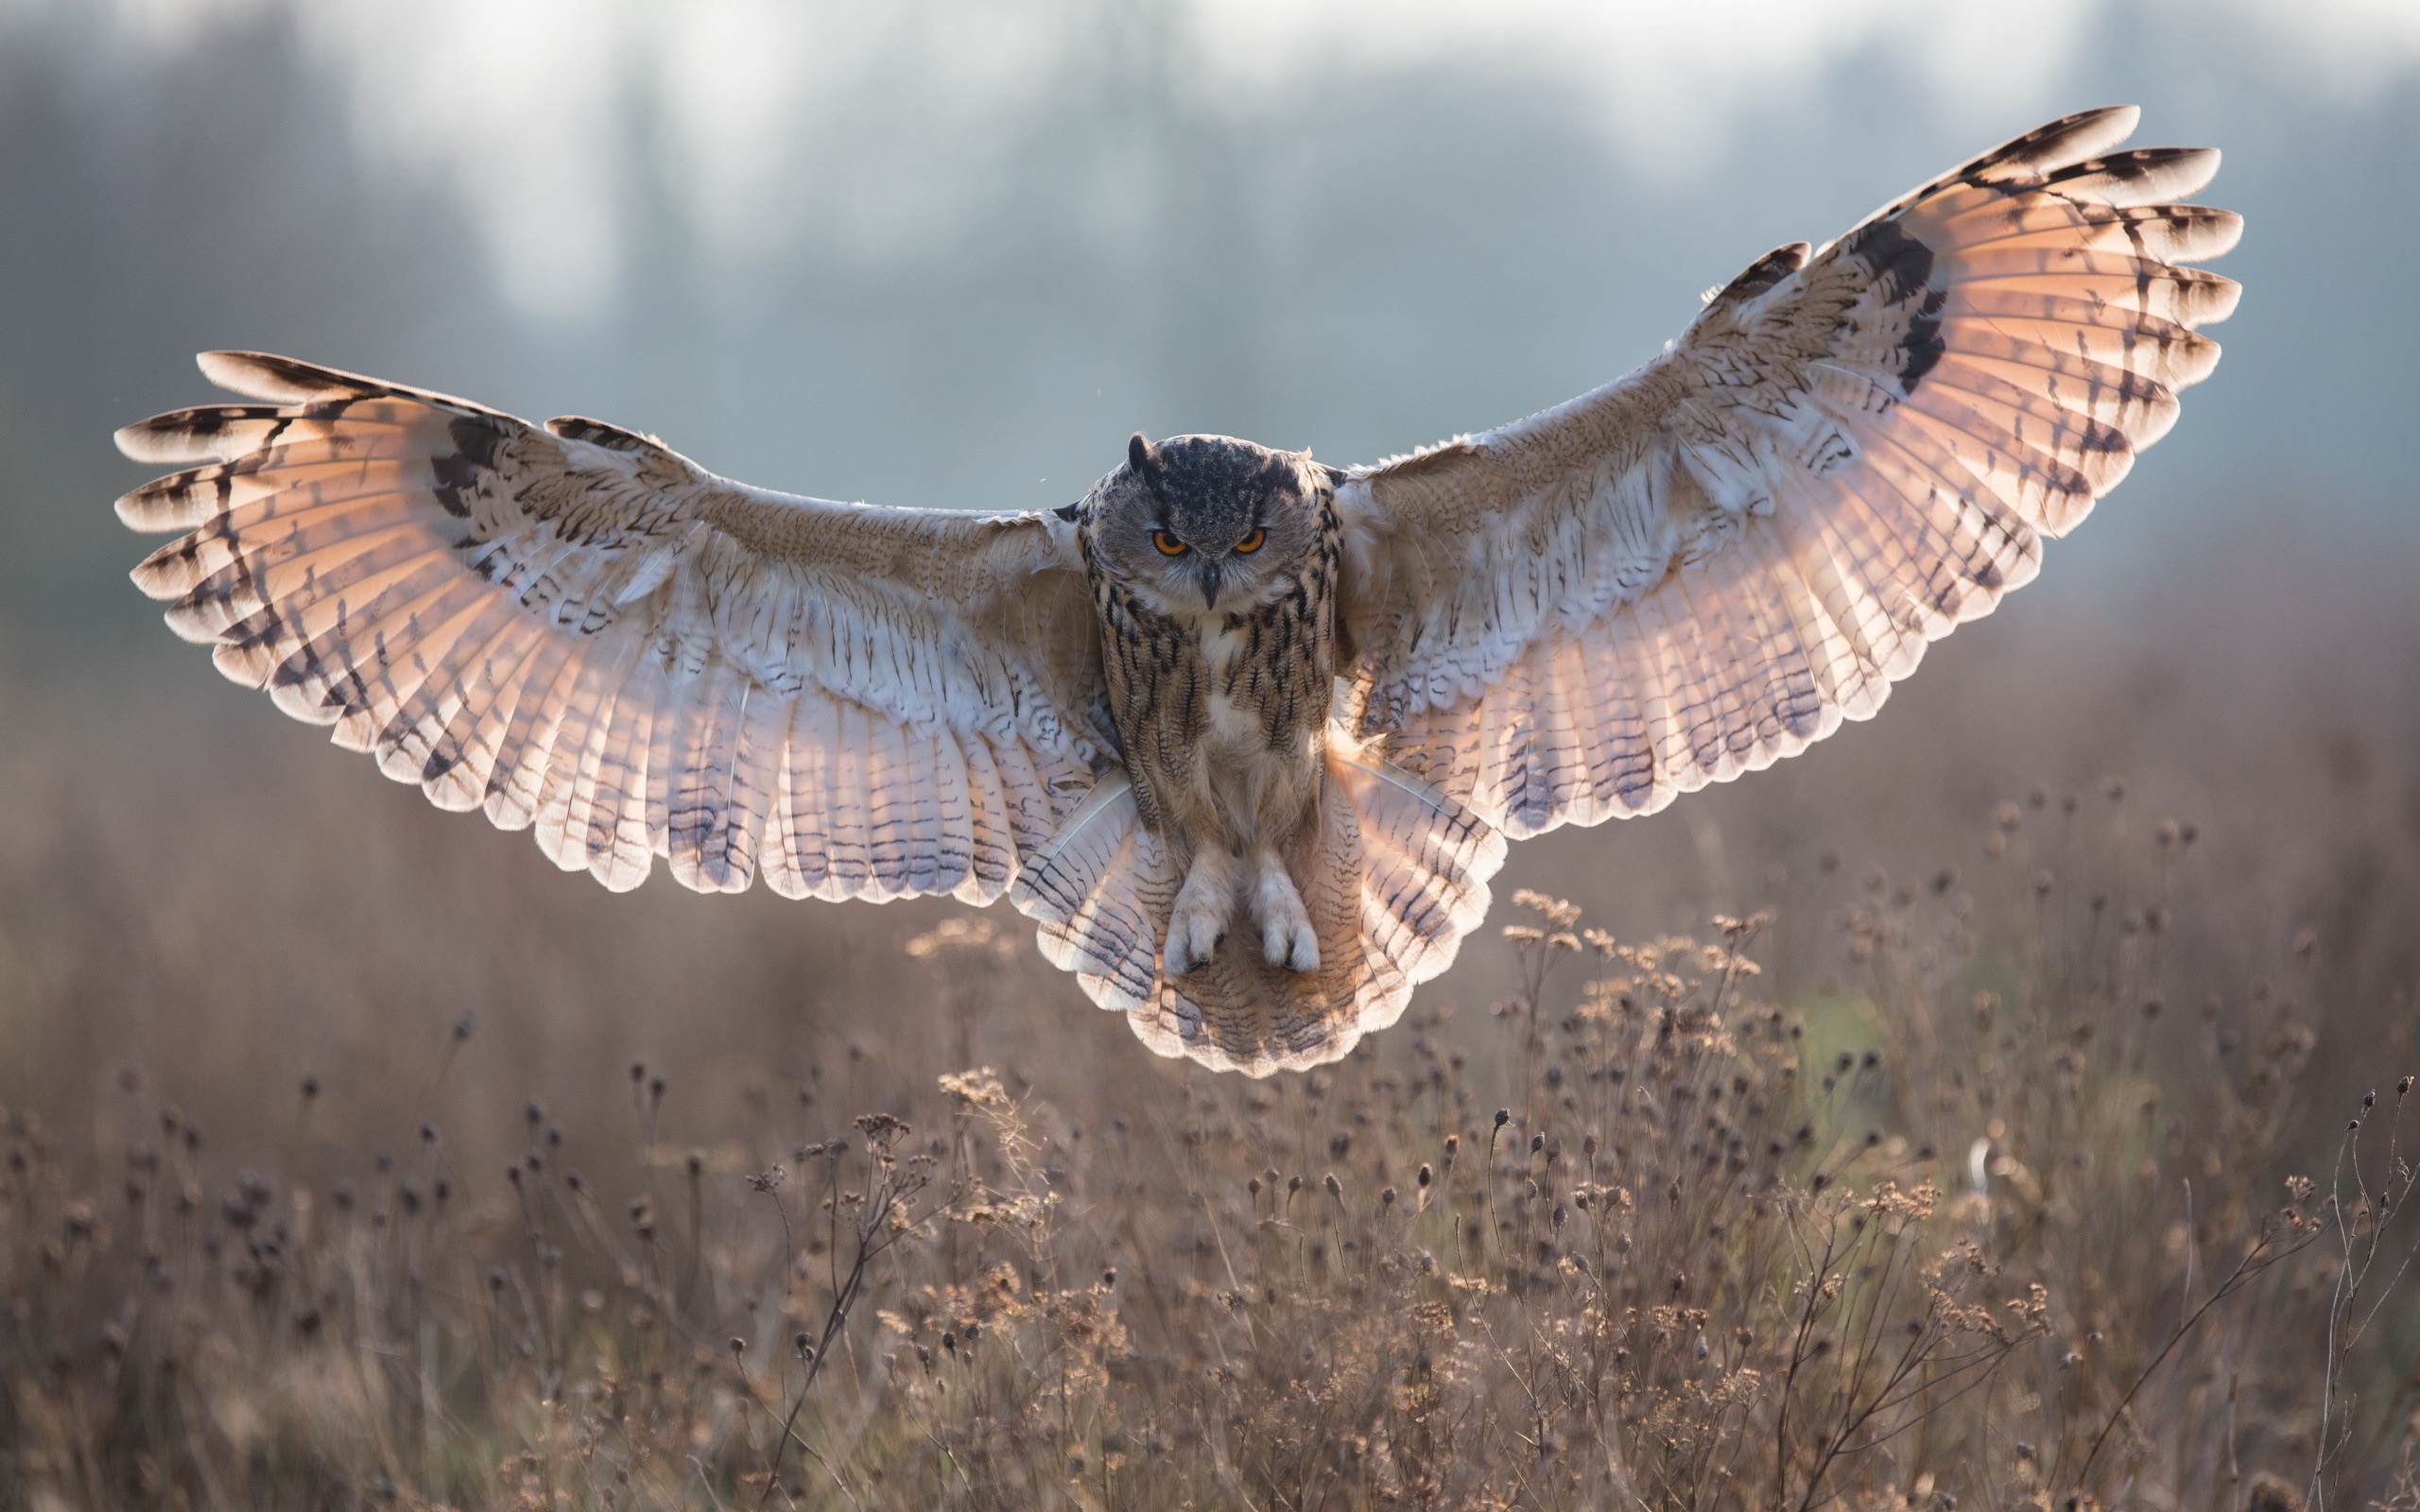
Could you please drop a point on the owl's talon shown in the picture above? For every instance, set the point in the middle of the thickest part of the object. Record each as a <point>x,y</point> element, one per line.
<point>1198,925</point>
<point>1291,946</point>
<point>1286,940</point>
<point>1190,949</point>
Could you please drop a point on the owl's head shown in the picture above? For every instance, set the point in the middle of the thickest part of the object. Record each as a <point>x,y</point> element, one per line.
<point>1202,523</point>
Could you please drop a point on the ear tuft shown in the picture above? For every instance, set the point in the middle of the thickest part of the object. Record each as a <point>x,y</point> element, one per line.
<point>1140,461</point>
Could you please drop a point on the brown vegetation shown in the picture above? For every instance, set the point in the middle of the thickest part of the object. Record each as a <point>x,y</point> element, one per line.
<point>1982,1150</point>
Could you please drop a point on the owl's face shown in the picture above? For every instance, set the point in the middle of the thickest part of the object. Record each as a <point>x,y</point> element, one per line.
<point>1197,524</point>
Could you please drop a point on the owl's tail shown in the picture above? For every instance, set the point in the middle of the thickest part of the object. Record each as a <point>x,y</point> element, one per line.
<point>1394,875</point>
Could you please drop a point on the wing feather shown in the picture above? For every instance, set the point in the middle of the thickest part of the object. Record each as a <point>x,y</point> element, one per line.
<point>580,631</point>
<point>1709,564</point>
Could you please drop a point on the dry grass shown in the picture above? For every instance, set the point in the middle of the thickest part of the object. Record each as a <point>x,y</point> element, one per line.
<point>2001,1160</point>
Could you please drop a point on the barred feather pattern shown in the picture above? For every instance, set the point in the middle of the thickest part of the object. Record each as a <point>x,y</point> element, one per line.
<point>1709,564</point>
<point>580,633</point>
<point>1394,874</point>
<point>1686,575</point>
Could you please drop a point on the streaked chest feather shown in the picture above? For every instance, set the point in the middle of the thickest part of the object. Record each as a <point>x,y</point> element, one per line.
<point>1235,725</point>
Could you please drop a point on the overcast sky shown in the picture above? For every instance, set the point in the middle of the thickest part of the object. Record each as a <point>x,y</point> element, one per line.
<point>951,251</point>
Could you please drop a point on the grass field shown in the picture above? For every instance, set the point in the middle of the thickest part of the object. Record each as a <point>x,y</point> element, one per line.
<point>1973,1113</point>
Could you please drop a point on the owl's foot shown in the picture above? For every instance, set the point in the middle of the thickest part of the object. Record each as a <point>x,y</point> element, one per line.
<point>1286,938</point>
<point>1197,925</point>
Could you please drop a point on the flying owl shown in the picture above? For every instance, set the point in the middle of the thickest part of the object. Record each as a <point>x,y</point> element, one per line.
<point>1245,733</point>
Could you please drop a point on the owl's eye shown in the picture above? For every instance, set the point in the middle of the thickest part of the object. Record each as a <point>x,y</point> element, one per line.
<point>1169,546</point>
<point>1252,543</point>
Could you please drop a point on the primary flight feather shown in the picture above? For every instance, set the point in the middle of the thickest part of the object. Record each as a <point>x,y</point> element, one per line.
<point>1243,732</point>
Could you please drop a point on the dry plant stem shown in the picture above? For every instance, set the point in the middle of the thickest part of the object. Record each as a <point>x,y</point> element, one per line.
<point>2258,1259</point>
<point>2381,1210</point>
<point>890,1189</point>
<point>1873,1205</point>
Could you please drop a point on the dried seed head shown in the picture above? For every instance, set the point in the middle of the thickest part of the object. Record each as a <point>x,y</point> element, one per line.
<point>1503,1116</point>
<point>1424,1176</point>
<point>310,1088</point>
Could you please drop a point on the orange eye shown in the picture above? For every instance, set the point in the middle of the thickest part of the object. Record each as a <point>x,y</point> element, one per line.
<point>1252,543</point>
<point>1169,546</point>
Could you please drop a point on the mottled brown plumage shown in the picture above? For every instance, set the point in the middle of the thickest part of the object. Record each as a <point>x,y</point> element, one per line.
<point>1243,733</point>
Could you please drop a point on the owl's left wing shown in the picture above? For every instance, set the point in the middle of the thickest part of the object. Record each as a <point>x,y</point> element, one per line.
<point>1707,565</point>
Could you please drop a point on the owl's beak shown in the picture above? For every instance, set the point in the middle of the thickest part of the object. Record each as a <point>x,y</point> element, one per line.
<point>1209,574</point>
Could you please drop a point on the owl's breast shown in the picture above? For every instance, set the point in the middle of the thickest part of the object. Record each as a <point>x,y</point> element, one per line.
<point>1234,713</point>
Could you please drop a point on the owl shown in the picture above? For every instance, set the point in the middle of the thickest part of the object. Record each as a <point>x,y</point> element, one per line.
<point>1245,734</point>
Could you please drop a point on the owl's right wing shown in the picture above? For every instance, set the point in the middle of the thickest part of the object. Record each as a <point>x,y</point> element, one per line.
<point>574,628</point>
<point>1708,564</point>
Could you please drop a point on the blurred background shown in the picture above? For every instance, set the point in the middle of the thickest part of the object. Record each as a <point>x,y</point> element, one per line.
<point>950,252</point>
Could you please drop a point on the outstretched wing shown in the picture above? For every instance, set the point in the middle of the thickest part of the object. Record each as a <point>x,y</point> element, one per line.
<point>579,630</point>
<point>1707,565</point>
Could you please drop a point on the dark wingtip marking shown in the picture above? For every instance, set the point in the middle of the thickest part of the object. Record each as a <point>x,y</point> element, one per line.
<point>1924,344</point>
<point>458,477</point>
<point>477,436</point>
<point>1902,262</point>
<point>1902,266</point>
<point>478,440</point>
